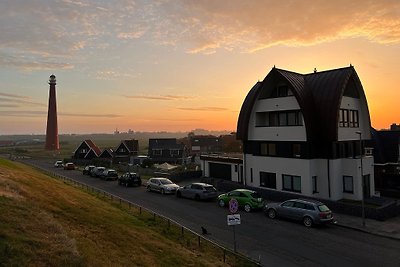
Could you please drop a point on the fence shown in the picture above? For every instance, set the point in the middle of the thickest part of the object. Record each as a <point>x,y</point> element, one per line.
<point>192,239</point>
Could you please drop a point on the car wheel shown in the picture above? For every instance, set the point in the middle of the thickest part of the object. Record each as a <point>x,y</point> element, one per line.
<point>197,197</point>
<point>247,208</point>
<point>271,213</point>
<point>307,221</point>
<point>221,203</point>
<point>178,194</point>
<point>162,191</point>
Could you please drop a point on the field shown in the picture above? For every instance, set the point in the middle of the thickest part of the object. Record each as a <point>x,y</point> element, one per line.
<point>47,222</point>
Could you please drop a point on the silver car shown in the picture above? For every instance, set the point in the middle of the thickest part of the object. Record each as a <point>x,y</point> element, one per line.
<point>197,191</point>
<point>162,185</point>
<point>310,212</point>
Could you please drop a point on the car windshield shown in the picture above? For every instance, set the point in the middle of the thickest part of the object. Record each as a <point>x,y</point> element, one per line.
<point>165,181</point>
<point>209,188</point>
<point>255,195</point>
<point>323,208</point>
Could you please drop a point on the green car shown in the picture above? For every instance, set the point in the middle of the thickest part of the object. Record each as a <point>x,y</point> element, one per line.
<point>248,199</point>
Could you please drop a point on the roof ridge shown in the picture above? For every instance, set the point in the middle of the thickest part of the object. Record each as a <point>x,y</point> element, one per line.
<point>324,71</point>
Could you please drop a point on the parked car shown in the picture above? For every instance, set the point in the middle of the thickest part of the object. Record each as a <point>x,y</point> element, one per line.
<point>310,212</point>
<point>248,199</point>
<point>97,171</point>
<point>197,191</point>
<point>109,174</point>
<point>58,164</point>
<point>130,179</point>
<point>69,166</point>
<point>162,185</point>
<point>88,169</point>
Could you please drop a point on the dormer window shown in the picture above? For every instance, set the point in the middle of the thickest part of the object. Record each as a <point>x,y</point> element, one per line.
<point>281,91</point>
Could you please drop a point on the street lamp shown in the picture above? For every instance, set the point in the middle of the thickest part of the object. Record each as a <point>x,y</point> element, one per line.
<point>362,183</point>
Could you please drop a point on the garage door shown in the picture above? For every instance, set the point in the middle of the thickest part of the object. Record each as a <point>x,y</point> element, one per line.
<point>220,171</point>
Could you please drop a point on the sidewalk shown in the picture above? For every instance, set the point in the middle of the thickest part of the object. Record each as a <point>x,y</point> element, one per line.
<point>389,228</point>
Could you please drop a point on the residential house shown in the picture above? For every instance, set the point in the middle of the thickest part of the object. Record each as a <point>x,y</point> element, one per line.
<point>205,144</point>
<point>87,150</point>
<point>301,134</point>
<point>126,150</point>
<point>166,150</point>
<point>107,154</point>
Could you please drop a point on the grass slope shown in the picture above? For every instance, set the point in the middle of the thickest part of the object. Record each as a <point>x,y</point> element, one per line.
<point>45,222</point>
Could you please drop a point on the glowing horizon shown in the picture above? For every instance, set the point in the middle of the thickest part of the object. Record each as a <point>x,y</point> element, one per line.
<point>181,65</point>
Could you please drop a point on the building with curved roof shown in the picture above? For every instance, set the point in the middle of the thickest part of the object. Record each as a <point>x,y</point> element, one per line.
<point>301,133</point>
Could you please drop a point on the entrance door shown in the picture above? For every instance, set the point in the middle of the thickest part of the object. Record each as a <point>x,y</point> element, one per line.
<point>367,185</point>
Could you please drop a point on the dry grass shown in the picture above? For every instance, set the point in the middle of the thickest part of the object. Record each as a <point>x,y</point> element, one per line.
<point>45,222</point>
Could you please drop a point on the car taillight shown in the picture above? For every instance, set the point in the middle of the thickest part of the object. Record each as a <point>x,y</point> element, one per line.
<point>323,215</point>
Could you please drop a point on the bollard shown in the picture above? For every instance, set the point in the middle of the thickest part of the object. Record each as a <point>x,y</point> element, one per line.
<point>140,210</point>
<point>129,205</point>
<point>154,216</point>
<point>120,201</point>
<point>224,254</point>
<point>182,230</point>
<point>169,224</point>
<point>198,237</point>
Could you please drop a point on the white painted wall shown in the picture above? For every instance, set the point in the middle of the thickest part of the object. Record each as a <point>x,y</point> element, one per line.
<point>314,167</point>
<point>289,133</point>
<point>346,133</point>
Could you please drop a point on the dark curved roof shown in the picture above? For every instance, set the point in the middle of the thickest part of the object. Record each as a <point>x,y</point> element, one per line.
<point>319,96</point>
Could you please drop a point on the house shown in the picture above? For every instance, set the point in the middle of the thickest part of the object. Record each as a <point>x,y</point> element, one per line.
<point>205,144</point>
<point>126,150</point>
<point>303,133</point>
<point>386,151</point>
<point>106,154</point>
<point>166,150</point>
<point>86,150</point>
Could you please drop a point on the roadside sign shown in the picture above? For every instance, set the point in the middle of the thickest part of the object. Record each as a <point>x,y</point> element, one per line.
<point>233,219</point>
<point>233,205</point>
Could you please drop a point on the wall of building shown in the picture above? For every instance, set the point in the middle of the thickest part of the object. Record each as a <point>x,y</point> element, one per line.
<point>291,133</point>
<point>235,172</point>
<point>349,133</point>
<point>331,188</point>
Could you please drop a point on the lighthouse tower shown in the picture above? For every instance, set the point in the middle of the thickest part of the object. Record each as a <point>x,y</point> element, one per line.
<point>52,128</point>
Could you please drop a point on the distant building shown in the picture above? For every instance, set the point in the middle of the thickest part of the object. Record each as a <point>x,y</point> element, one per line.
<point>301,134</point>
<point>166,150</point>
<point>386,144</point>
<point>87,150</point>
<point>126,150</point>
<point>205,144</point>
<point>107,154</point>
<point>395,127</point>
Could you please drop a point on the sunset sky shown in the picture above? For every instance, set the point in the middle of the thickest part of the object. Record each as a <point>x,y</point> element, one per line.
<point>172,65</point>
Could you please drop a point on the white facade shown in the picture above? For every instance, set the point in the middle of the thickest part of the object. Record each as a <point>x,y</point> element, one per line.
<point>329,174</point>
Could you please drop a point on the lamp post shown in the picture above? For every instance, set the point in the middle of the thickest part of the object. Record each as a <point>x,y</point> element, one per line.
<point>362,182</point>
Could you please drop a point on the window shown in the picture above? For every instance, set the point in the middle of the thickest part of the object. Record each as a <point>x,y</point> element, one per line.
<point>174,152</point>
<point>84,151</point>
<point>267,149</point>
<point>288,204</point>
<point>268,179</point>
<point>291,183</point>
<point>157,152</point>
<point>281,91</point>
<point>348,184</point>
<point>296,150</point>
<point>279,118</point>
<point>348,118</point>
<point>314,184</point>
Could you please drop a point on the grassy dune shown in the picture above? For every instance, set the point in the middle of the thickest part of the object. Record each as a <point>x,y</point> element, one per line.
<point>45,222</point>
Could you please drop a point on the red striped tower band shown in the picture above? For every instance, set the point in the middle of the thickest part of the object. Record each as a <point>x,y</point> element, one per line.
<point>52,142</point>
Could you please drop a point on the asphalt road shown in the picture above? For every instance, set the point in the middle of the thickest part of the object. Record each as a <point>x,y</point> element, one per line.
<point>274,242</point>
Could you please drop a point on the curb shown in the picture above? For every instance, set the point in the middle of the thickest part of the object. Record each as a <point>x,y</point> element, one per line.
<point>366,231</point>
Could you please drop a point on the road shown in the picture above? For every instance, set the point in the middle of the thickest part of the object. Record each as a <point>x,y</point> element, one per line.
<point>274,242</point>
